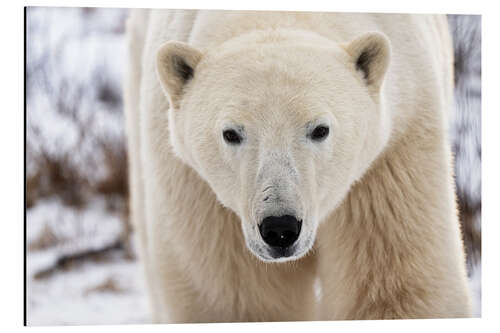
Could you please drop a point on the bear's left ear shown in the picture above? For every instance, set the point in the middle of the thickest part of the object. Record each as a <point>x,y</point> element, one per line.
<point>370,53</point>
<point>175,65</point>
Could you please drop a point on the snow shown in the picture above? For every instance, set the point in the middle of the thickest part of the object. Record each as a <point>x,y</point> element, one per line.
<point>475,286</point>
<point>67,297</point>
<point>74,230</point>
<point>73,298</point>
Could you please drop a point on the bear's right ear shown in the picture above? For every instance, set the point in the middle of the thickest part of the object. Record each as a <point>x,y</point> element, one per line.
<point>175,65</point>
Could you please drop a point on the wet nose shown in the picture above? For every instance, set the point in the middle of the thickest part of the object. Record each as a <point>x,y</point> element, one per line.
<point>280,231</point>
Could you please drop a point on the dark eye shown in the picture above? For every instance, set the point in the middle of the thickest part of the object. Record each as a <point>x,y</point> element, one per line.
<point>231,137</point>
<point>320,133</point>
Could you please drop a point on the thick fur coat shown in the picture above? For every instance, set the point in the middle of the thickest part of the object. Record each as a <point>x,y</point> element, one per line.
<point>379,236</point>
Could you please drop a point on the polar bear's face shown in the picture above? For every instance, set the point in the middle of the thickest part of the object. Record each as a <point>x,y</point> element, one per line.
<point>280,130</point>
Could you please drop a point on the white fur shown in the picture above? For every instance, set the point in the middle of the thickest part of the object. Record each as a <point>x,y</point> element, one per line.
<point>376,197</point>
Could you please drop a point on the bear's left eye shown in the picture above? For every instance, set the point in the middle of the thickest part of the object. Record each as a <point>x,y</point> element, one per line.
<point>320,133</point>
<point>231,137</point>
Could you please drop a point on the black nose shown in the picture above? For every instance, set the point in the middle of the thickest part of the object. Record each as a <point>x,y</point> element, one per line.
<point>280,231</point>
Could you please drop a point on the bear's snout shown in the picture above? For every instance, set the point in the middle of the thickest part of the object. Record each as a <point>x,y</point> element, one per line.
<point>280,232</point>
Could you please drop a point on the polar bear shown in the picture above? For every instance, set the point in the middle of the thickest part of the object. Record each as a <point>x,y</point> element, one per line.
<point>293,166</point>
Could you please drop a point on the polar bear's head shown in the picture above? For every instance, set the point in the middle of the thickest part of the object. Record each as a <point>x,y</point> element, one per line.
<point>279,124</point>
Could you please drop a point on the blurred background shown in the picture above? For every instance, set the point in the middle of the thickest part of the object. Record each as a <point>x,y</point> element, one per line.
<point>81,262</point>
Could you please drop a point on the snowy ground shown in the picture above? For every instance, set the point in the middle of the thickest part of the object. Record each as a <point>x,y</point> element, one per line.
<point>110,292</point>
<point>101,289</point>
<point>475,285</point>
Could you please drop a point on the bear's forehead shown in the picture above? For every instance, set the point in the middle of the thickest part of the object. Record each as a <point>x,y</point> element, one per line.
<point>274,109</point>
<point>273,71</point>
<point>286,56</point>
<point>274,78</point>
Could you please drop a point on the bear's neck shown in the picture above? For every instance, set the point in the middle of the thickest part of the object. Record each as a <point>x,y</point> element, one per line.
<point>396,234</point>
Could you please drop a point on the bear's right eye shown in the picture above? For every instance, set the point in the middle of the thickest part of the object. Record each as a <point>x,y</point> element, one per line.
<point>231,137</point>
